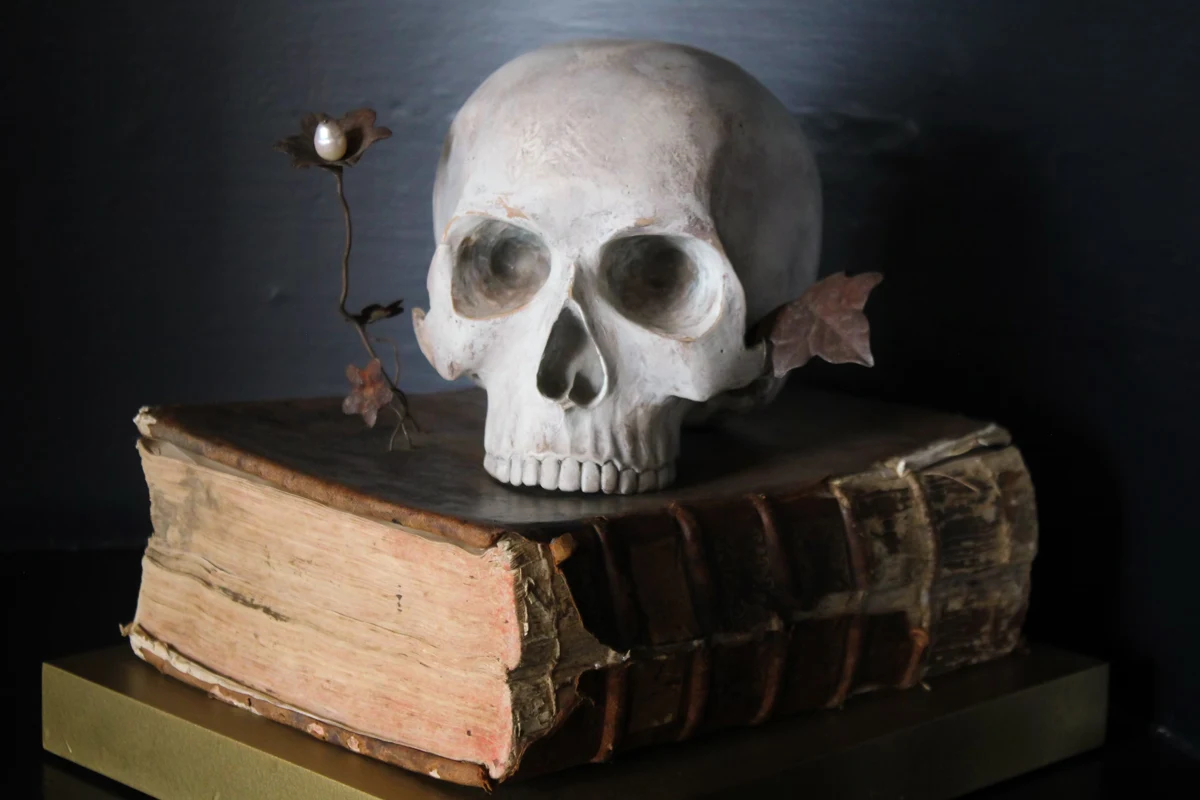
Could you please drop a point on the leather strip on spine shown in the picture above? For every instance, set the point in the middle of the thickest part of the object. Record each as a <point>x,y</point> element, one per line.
<point>858,572</point>
<point>697,691</point>
<point>776,647</point>
<point>615,691</point>
<point>925,608</point>
<point>616,685</point>
<point>699,577</point>
<point>619,591</point>
<point>1006,537</point>
<point>700,585</point>
<point>920,641</point>
<point>1005,520</point>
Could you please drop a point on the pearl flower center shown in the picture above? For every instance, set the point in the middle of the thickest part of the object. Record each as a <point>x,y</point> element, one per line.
<point>329,141</point>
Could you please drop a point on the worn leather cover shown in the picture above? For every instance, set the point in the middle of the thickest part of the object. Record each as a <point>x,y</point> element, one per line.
<point>825,546</point>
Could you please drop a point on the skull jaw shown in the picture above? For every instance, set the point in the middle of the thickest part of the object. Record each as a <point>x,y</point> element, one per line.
<point>574,475</point>
<point>621,446</point>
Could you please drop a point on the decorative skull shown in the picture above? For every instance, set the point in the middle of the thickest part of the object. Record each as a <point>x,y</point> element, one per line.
<point>611,219</point>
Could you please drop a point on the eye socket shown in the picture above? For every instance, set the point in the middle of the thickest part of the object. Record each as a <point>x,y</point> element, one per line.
<point>669,284</point>
<point>498,268</point>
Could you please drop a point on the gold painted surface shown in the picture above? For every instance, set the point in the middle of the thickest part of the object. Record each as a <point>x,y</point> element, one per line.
<point>113,714</point>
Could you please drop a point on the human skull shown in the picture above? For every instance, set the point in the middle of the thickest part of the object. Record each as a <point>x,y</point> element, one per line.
<point>610,218</point>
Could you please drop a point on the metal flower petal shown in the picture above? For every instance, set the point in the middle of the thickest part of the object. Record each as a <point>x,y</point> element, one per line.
<point>358,127</point>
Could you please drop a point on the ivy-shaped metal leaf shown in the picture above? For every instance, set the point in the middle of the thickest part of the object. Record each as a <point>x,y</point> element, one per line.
<point>369,391</point>
<point>826,322</point>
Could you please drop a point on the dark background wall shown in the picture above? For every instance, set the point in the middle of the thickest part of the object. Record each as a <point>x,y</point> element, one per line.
<point>1026,173</point>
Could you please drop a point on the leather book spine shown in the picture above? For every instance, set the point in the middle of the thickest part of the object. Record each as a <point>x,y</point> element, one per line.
<point>743,609</point>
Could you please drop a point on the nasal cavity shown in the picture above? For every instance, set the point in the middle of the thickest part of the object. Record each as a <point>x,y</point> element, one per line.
<point>572,371</point>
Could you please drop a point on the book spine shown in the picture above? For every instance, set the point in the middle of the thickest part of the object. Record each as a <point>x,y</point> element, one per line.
<point>738,611</point>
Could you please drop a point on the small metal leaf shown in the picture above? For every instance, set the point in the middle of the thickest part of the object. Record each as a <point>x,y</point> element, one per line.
<point>369,391</point>
<point>826,322</point>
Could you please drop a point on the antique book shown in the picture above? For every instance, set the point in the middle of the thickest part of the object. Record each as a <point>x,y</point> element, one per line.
<point>410,608</point>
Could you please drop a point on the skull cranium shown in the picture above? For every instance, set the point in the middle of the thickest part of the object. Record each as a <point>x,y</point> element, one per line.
<point>611,216</point>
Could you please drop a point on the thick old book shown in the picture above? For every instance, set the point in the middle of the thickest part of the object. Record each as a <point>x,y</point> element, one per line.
<point>408,607</point>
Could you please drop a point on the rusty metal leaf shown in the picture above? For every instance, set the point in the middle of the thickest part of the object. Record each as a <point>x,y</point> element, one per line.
<point>369,391</point>
<point>376,312</point>
<point>826,322</point>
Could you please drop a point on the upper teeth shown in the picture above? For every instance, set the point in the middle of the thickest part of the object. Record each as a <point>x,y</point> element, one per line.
<point>573,475</point>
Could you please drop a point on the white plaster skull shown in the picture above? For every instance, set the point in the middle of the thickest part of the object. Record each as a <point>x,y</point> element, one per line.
<point>610,217</point>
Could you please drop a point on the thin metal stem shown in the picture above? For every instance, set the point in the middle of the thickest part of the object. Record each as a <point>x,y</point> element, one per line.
<point>395,353</point>
<point>341,190</point>
<point>401,427</point>
<point>403,412</point>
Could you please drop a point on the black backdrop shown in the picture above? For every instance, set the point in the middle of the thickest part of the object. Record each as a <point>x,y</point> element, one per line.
<point>1026,173</point>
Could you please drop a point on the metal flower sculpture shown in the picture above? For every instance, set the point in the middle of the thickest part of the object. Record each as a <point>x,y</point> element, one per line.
<point>333,145</point>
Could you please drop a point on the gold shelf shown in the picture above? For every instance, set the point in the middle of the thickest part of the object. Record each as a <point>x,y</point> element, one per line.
<point>111,713</point>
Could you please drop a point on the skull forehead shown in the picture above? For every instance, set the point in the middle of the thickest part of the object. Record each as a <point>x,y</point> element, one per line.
<point>599,127</point>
